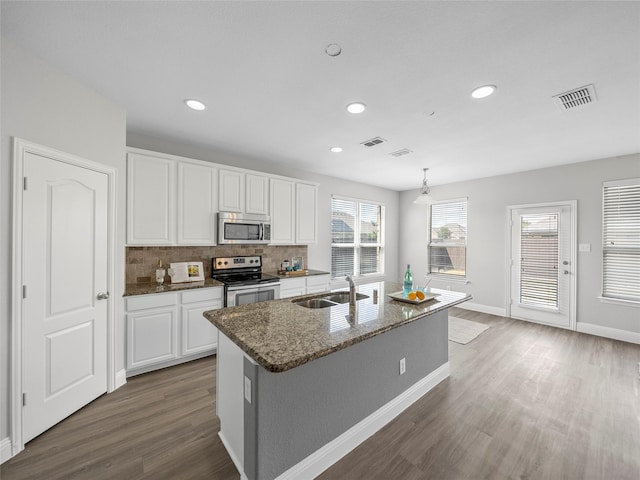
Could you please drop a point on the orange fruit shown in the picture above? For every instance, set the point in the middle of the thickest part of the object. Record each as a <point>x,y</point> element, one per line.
<point>411,295</point>
<point>420,295</point>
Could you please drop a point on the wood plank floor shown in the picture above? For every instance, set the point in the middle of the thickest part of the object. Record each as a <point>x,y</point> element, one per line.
<point>524,401</point>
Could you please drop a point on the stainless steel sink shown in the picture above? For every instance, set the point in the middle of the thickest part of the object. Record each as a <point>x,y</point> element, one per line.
<point>330,300</point>
<point>316,303</point>
<point>343,297</point>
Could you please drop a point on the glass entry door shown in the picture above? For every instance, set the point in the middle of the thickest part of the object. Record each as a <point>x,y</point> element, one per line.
<point>542,273</point>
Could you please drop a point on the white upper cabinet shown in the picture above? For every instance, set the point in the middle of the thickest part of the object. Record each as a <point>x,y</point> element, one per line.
<point>196,204</point>
<point>174,200</point>
<point>257,198</point>
<point>282,211</point>
<point>170,201</point>
<point>151,200</point>
<point>306,213</point>
<point>231,191</point>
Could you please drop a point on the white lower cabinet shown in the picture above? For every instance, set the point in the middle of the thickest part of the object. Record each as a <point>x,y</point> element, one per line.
<point>293,287</point>
<point>165,329</point>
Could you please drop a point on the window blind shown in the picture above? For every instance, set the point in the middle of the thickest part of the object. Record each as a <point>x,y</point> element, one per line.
<point>448,238</point>
<point>621,240</point>
<point>539,255</point>
<point>356,237</point>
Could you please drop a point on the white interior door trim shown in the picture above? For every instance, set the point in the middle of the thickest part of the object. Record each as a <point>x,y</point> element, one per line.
<point>573,206</point>
<point>20,148</point>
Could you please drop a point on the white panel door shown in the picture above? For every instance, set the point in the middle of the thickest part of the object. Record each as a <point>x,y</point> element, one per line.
<point>282,211</point>
<point>196,204</point>
<point>306,213</point>
<point>65,251</point>
<point>542,265</point>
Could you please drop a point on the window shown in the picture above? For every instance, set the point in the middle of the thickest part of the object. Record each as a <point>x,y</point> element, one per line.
<point>621,240</point>
<point>448,238</point>
<point>357,237</point>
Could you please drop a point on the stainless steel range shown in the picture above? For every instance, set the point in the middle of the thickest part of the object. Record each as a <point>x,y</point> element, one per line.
<point>244,281</point>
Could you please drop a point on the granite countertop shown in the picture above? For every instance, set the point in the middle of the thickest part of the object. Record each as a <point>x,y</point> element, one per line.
<point>308,274</point>
<point>280,335</point>
<point>146,288</point>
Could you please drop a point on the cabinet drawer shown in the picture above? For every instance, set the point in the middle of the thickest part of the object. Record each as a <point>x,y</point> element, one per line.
<point>202,295</point>
<point>287,283</point>
<point>153,300</point>
<point>318,280</point>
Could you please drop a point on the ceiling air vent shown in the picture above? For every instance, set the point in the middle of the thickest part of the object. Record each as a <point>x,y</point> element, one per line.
<point>576,98</point>
<point>399,153</point>
<point>373,142</point>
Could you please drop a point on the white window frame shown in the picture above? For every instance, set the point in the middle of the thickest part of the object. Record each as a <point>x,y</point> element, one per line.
<point>448,276</point>
<point>605,296</point>
<point>356,236</point>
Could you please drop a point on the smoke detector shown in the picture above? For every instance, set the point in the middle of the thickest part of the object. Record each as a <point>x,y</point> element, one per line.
<point>576,97</point>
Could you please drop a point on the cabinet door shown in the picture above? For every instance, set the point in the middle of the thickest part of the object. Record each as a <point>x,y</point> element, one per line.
<point>196,204</point>
<point>231,195</point>
<point>292,287</point>
<point>318,283</point>
<point>282,211</point>
<point>152,337</point>
<point>198,334</point>
<point>150,200</point>
<point>257,200</point>
<point>306,213</point>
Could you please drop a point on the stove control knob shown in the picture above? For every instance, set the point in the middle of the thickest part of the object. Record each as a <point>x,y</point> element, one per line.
<point>226,263</point>
<point>219,263</point>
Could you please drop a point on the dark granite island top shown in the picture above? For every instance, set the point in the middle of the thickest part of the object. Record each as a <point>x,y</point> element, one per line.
<point>280,335</point>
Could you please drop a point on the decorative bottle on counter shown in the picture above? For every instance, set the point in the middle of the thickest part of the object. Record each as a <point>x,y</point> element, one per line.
<point>407,285</point>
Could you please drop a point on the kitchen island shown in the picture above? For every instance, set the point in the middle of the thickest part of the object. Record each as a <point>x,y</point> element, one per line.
<point>298,388</point>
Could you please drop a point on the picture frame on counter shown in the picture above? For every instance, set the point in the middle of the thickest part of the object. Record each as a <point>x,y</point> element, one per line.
<point>182,272</point>
<point>297,263</point>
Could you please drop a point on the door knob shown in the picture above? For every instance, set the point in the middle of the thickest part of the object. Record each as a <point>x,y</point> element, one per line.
<point>103,295</point>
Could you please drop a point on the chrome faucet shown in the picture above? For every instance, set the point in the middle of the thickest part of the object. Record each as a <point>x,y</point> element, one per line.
<point>352,291</point>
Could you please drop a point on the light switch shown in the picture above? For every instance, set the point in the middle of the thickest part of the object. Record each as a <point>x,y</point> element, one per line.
<point>584,247</point>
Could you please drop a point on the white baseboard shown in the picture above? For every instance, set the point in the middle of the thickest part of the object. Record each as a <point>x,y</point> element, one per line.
<point>332,452</point>
<point>121,378</point>
<point>477,307</point>
<point>607,332</point>
<point>5,449</point>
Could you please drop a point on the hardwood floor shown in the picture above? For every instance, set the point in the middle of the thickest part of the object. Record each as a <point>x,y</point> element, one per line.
<point>524,401</point>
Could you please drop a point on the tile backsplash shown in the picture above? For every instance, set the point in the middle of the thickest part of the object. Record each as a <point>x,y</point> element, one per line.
<point>141,262</point>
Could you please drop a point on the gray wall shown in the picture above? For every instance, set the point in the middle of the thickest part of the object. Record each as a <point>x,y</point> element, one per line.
<point>42,105</point>
<point>330,395</point>
<point>488,199</point>
<point>319,255</point>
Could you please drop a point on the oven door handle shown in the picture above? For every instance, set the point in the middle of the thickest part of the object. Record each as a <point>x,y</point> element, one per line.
<point>255,286</point>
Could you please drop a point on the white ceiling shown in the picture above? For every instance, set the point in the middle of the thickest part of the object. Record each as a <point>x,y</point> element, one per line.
<point>274,94</point>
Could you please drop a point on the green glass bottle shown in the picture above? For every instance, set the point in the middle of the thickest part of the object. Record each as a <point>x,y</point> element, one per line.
<point>407,285</point>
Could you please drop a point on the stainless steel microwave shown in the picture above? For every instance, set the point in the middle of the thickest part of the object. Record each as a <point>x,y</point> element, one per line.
<point>238,228</point>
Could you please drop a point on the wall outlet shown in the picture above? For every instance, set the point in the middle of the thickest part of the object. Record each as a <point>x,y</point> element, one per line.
<point>403,366</point>
<point>247,389</point>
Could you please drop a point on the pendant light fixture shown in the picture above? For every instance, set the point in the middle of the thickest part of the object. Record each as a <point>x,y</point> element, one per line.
<point>423,198</point>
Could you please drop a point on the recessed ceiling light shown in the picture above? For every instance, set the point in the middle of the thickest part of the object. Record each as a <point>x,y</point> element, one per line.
<point>336,149</point>
<point>195,104</point>
<point>356,107</point>
<point>484,91</point>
